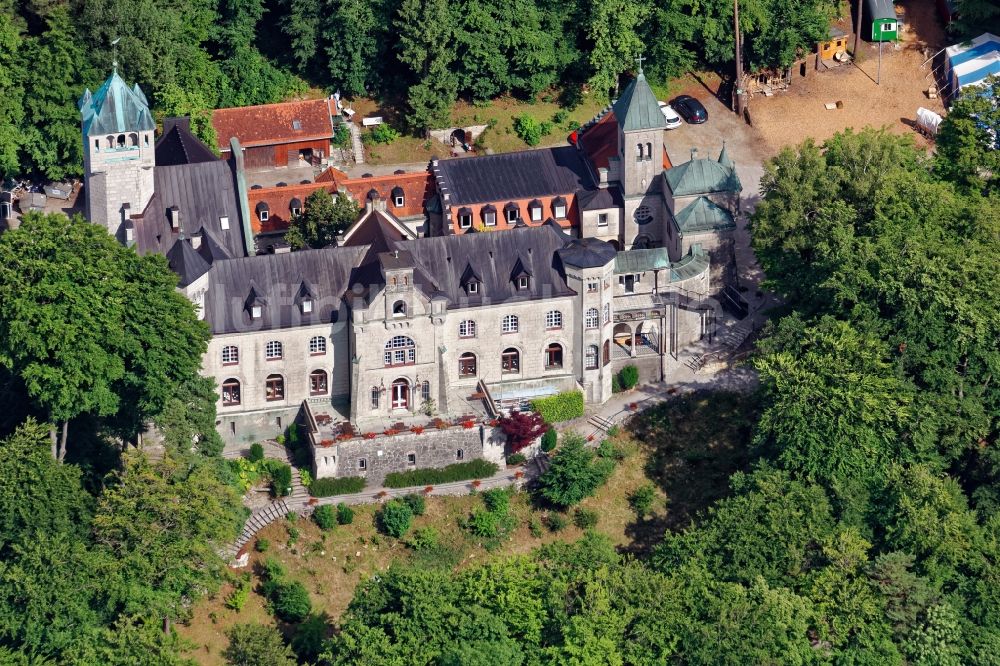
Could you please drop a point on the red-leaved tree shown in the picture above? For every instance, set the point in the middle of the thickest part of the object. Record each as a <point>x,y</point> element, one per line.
<point>522,428</point>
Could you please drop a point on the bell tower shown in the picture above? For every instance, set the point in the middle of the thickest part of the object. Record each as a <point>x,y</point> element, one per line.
<point>118,153</point>
<point>640,135</point>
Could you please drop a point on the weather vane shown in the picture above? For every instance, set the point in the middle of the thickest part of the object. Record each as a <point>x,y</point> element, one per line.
<point>114,57</point>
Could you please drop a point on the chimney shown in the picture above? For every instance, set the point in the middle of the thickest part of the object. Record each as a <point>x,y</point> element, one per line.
<point>694,154</point>
<point>174,215</point>
<point>196,240</point>
<point>603,175</point>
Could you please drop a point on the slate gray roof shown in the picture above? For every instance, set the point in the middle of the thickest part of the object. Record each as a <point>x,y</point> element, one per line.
<point>277,279</point>
<point>186,262</point>
<point>203,193</point>
<point>703,176</point>
<point>521,175</point>
<point>587,253</point>
<point>115,108</point>
<point>637,108</point>
<point>605,197</point>
<point>178,145</point>
<point>703,215</point>
<point>493,257</point>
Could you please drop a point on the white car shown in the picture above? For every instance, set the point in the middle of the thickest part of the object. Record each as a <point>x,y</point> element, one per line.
<point>672,117</point>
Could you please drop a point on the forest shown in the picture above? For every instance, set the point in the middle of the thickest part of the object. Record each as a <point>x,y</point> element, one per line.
<point>415,56</point>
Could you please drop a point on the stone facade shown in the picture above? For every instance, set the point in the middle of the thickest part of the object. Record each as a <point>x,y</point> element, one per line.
<point>374,458</point>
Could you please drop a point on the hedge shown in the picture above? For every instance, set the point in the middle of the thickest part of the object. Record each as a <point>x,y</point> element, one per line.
<point>561,407</point>
<point>342,486</point>
<point>474,469</point>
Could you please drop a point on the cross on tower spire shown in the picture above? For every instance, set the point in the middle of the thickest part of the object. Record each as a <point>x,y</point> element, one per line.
<point>114,57</point>
<point>639,59</point>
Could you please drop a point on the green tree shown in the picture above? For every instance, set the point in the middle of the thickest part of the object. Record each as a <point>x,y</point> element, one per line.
<point>574,473</point>
<point>612,30</point>
<point>175,101</point>
<point>257,645</point>
<point>356,39</point>
<point>395,518</point>
<point>966,148</point>
<point>11,95</point>
<point>425,31</point>
<point>641,500</point>
<point>322,219</point>
<point>165,524</point>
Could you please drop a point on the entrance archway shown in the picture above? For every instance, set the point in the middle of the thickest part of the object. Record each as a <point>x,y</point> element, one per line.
<point>400,394</point>
<point>623,339</point>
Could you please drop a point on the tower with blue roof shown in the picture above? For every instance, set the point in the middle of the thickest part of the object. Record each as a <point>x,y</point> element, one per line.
<point>119,154</point>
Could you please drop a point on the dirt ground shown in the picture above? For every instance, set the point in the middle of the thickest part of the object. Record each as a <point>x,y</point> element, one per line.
<point>792,116</point>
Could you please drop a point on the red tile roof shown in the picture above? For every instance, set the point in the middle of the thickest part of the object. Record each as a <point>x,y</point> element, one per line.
<point>417,186</point>
<point>271,124</point>
<point>600,141</point>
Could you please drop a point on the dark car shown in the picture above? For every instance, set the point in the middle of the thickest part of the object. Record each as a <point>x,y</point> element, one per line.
<point>690,109</point>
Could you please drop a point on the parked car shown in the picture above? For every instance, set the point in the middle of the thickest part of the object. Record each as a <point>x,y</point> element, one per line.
<point>669,115</point>
<point>690,109</point>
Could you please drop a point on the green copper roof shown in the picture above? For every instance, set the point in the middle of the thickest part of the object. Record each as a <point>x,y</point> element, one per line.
<point>703,176</point>
<point>115,108</point>
<point>637,108</point>
<point>703,215</point>
<point>637,261</point>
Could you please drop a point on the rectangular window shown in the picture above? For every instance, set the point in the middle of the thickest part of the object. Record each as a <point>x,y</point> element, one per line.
<point>560,212</point>
<point>490,219</point>
<point>295,211</point>
<point>263,216</point>
<point>307,306</point>
<point>536,214</point>
<point>375,397</point>
<point>473,287</point>
<point>522,282</point>
<point>362,464</point>
<point>459,454</point>
<point>399,202</point>
<point>592,286</point>
<point>464,221</point>
<point>255,312</point>
<point>602,220</point>
<point>512,214</point>
<point>388,358</point>
<point>411,458</point>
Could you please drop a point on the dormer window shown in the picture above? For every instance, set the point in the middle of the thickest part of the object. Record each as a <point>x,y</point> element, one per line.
<point>255,311</point>
<point>307,306</point>
<point>464,218</point>
<point>472,287</point>
<point>398,197</point>
<point>522,282</point>
<point>535,210</point>
<point>511,212</point>
<point>489,215</point>
<point>295,206</point>
<point>174,215</point>
<point>559,208</point>
<point>224,223</point>
<point>263,211</point>
<point>304,298</point>
<point>255,302</point>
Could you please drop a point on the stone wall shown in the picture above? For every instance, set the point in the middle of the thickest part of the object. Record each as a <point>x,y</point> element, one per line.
<point>431,449</point>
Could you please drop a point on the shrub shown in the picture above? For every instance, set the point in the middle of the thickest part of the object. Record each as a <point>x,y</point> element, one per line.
<point>516,459</point>
<point>256,452</point>
<point>556,521</point>
<point>641,500</point>
<point>281,479</point>
<point>416,502</point>
<point>291,601</point>
<point>560,116</point>
<point>325,517</point>
<point>562,407</point>
<point>528,129</point>
<point>549,440</point>
<point>293,534</point>
<point>256,644</point>
<point>521,429</point>
<point>305,477</point>
<point>345,514</point>
<point>574,474</point>
<point>238,597</point>
<point>382,134</point>
<point>585,518</point>
<point>272,570</point>
<point>485,524</point>
<point>262,545</point>
<point>309,638</point>
<point>616,384</point>
<point>424,538</point>
<point>535,527</point>
<point>342,136</point>
<point>497,500</point>
<point>343,486</point>
<point>629,377</point>
<point>607,450</point>
<point>546,128</point>
<point>395,518</point>
<point>473,469</point>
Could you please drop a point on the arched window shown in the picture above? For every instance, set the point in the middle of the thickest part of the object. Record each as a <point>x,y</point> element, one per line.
<point>230,392</point>
<point>317,382</point>
<point>145,139</point>
<point>467,365</point>
<point>467,329</point>
<point>607,312</point>
<point>590,359</point>
<point>274,387</point>
<point>400,350</point>
<point>592,319</point>
<point>317,345</point>
<point>425,391</point>
<point>641,242</point>
<point>553,356</point>
<point>401,394</point>
<point>230,355</point>
<point>133,140</point>
<point>273,350</point>
<point>607,352</point>
<point>121,141</point>
<point>376,394</point>
<point>510,361</point>
<point>553,319</point>
<point>649,151</point>
<point>111,141</point>
<point>638,151</point>
<point>509,324</point>
<point>399,309</point>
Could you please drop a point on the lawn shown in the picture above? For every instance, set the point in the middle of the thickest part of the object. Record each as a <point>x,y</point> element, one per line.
<point>689,446</point>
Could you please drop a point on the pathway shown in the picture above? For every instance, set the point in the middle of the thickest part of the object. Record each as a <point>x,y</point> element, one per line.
<point>356,145</point>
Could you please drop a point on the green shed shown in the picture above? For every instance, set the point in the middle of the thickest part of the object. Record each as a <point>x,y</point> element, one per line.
<point>881,16</point>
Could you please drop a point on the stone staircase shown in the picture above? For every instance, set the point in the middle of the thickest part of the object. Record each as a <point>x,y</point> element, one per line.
<point>728,341</point>
<point>356,145</point>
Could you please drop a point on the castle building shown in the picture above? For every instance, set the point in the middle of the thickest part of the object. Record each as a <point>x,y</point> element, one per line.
<point>603,259</point>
